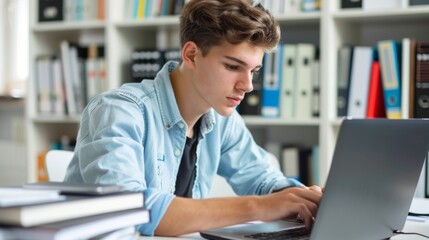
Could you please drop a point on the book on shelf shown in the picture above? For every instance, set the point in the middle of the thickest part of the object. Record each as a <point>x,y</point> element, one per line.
<point>359,81</point>
<point>311,5</point>
<point>389,52</point>
<point>288,93</point>
<point>99,226</point>
<point>69,84</point>
<point>315,84</point>
<point>405,77</point>
<point>345,56</point>
<point>411,76</point>
<point>299,162</point>
<point>271,84</point>
<point>69,207</point>
<point>421,109</point>
<point>351,3</point>
<point>146,63</point>
<point>95,71</point>
<point>146,9</point>
<point>418,2</point>
<point>66,82</point>
<point>375,107</point>
<point>305,55</point>
<point>290,84</point>
<point>71,10</point>
<point>43,84</point>
<point>50,10</point>
<point>290,6</point>
<point>83,10</point>
<point>383,4</point>
<point>251,104</point>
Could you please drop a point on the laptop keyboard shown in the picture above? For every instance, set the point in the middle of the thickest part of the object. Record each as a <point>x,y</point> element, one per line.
<point>290,234</point>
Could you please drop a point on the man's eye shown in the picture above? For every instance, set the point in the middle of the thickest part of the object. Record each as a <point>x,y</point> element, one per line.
<point>256,72</point>
<point>232,67</point>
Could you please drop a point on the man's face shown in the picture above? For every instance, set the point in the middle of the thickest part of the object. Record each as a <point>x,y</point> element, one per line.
<point>224,75</point>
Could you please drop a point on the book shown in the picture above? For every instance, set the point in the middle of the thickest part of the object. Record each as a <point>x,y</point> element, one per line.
<point>296,163</point>
<point>70,207</point>
<point>405,78</point>
<point>287,93</point>
<point>252,101</point>
<point>44,86</point>
<point>351,3</point>
<point>359,81</point>
<point>305,54</point>
<point>381,4</point>
<point>389,54</point>
<point>146,63</point>
<point>375,107</point>
<point>94,80</point>
<point>315,84</point>
<point>291,6</point>
<point>412,78</point>
<point>345,56</point>
<point>422,80</point>
<point>12,196</point>
<point>408,77</point>
<point>418,2</point>
<point>58,91</point>
<point>310,5</point>
<point>68,79</point>
<point>271,84</point>
<point>76,188</point>
<point>50,10</point>
<point>80,228</point>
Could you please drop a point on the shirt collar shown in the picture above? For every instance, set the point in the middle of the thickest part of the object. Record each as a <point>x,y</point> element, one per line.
<point>167,102</point>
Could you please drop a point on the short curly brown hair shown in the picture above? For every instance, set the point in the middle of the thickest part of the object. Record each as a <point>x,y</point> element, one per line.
<point>211,23</point>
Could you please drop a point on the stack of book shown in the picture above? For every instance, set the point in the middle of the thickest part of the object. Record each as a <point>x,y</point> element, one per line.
<point>67,211</point>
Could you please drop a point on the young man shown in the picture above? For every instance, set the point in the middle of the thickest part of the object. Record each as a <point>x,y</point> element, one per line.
<point>169,137</point>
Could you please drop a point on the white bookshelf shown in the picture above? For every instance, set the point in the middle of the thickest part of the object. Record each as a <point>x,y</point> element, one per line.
<point>329,29</point>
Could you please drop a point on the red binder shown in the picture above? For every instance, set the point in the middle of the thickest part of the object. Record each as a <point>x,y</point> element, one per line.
<point>375,108</point>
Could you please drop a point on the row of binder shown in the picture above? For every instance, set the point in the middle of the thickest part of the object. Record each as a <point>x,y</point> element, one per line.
<point>287,85</point>
<point>66,82</point>
<point>390,80</point>
<point>71,10</point>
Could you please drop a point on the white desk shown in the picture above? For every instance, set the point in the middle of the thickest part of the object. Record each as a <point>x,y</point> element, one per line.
<point>418,205</point>
<point>422,228</point>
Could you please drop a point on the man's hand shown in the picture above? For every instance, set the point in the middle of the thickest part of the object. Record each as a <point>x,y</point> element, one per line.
<point>292,202</point>
<point>186,215</point>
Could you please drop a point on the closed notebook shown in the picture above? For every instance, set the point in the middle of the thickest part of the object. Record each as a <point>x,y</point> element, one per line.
<point>81,228</point>
<point>76,188</point>
<point>72,206</point>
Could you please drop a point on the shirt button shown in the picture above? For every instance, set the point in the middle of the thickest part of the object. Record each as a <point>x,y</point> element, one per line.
<point>181,125</point>
<point>177,152</point>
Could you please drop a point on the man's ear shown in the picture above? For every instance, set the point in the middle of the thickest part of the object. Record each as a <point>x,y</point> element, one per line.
<point>189,52</point>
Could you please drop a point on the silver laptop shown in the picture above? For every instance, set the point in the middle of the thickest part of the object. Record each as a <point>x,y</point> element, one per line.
<point>370,187</point>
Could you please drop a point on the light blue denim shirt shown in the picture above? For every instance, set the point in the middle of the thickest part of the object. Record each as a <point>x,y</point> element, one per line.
<point>134,136</point>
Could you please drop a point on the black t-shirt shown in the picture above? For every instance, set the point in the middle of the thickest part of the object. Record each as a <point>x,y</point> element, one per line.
<point>187,169</point>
